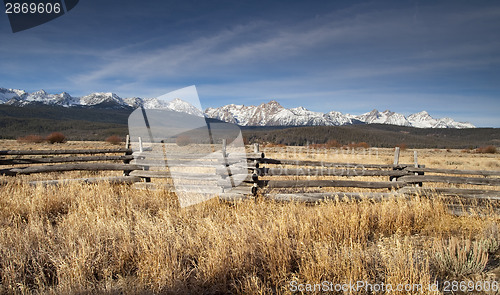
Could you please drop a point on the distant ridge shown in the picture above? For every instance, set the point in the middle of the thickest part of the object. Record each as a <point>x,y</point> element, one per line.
<point>273,114</point>
<point>265,114</point>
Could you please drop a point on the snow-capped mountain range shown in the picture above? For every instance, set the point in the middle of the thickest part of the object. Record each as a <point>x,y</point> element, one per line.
<point>22,98</point>
<point>273,114</point>
<point>265,114</point>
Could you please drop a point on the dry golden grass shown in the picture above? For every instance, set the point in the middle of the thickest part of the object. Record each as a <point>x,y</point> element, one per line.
<point>79,239</point>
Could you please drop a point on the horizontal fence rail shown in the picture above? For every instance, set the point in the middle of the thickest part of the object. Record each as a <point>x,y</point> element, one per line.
<point>61,152</point>
<point>64,160</point>
<point>140,167</point>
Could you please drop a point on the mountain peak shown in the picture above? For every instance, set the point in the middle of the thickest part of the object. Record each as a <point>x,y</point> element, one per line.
<point>272,103</point>
<point>40,92</point>
<point>422,113</point>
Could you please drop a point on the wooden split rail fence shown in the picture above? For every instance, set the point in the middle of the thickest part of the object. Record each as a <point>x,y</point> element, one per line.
<point>266,176</point>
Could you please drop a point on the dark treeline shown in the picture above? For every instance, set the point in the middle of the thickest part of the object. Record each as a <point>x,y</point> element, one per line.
<point>378,135</point>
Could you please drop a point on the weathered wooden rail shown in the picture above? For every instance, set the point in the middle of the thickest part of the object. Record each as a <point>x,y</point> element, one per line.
<point>404,179</point>
<point>263,175</point>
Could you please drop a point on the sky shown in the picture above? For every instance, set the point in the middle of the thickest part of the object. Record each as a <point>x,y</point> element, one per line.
<point>347,56</point>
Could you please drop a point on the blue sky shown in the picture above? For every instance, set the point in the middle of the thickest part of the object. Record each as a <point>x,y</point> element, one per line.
<point>348,56</point>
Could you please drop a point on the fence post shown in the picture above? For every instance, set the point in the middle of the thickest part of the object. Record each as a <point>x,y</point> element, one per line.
<point>415,162</point>
<point>395,164</point>
<point>256,148</point>
<point>396,156</point>
<point>415,159</point>
<point>224,147</point>
<point>127,142</point>
<point>127,153</point>
<point>226,163</point>
<point>141,149</point>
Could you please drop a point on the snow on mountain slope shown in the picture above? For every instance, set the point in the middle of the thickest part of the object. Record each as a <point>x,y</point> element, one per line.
<point>63,99</point>
<point>337,118</point>
<point>8,94</point>
<point>99,98</point>
<point>265,114</point>
<point>272,114</point>
<point>422,120</point>
<point>385,117</point>
<point>21,97</point>
<point>179,105</point>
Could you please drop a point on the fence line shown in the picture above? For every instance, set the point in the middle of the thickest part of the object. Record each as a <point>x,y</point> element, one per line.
<point>404,179</point>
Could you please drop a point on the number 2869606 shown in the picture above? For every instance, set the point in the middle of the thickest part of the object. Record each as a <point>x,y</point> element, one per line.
<point>32,8</point>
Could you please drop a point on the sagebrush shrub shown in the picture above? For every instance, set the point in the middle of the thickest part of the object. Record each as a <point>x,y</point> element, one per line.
<point>402,146</point>
<point>458,257</point>
<point>56,137</point>
<point>490,149</point>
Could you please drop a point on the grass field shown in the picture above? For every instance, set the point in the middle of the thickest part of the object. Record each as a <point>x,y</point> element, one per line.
<point>81,239</point>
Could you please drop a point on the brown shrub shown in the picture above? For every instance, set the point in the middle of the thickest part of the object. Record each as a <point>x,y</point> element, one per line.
<point>113,139</point>
<point>32,138</point>
<point>402,146</point>
<point>490,149</point>
<point>332,143</point>
<point>56,137</point>
<point>363,145</point>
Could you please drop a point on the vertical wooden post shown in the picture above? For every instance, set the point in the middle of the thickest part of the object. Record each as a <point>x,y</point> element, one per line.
<point>256,148</point>
<point>224,147</point>
<point>396,156</point>
<point>226,163</point>
<point>127,142</point>
<point>415,162</point>
<point>396,163</point>
<point>141,149</point>
<point>127,153</point>
<point>140,145</point>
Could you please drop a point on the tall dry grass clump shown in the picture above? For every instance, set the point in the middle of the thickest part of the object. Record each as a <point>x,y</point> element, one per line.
<point>106,238</point>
